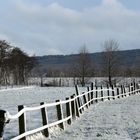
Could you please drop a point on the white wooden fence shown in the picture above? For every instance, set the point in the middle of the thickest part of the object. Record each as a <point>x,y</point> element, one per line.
<point>74,107</point>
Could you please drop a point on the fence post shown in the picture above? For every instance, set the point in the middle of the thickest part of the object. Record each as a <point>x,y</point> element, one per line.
<point>89,97</point>
<point>129,89</point>
<point>73,108</point>
<point>118,92</point>
<point>60,114</point>
<point>108,92</point>
<point>122,90</point>
<point>134,85</point>
<point>44,119</point>
<point>22,122</point>
<point>96,95</point>
<point>91,93</point>
<point>137,88</point>
<point>76,107</point>
<point>113,93</point>
<point>84,99</point>
<point>68,111</point>
<point>78,99</point>
<point>132,88</point>
<point>102,93</point>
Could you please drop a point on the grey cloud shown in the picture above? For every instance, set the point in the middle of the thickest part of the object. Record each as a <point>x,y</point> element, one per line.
<point>54,29</point>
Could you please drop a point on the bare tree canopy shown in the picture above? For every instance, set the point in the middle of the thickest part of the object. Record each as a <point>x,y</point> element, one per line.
<point>110,59</point>
<point>82,67</point>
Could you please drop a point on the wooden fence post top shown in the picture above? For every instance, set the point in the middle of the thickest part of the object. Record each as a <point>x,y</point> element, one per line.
<point>57,100</point>
<point>20,107</point>
<point>42,103</point>
<point>72,96</point>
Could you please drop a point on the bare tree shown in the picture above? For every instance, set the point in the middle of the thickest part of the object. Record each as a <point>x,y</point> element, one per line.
<point>4,56</point>
<point>136,67</point>
<point>82,67</point>
<point>110,59</point>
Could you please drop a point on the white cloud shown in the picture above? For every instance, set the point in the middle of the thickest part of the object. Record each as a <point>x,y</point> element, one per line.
<point>111,4</point>
<point>55,29</point>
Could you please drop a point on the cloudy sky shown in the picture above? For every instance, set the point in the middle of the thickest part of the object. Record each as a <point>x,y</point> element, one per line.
<point>47,27</point>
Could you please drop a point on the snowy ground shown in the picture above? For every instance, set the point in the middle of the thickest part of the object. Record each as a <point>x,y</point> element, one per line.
<point>119,119</point>
<point>110,120</point>
<point>30,96</point>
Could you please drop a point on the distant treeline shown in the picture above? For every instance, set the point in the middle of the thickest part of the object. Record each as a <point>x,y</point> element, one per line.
<point>111,62</point>
<point>62,65</point>
<point>16,66</point>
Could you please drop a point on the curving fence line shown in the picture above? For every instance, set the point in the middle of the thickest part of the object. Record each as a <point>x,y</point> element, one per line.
<point>74,107</point>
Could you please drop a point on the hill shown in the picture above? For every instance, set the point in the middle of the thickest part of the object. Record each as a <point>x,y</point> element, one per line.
<point>128,58</point>
<point>61,63</point>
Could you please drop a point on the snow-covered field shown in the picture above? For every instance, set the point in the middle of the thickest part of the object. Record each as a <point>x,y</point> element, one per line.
<point>119,119</point>
<point>30,96</point>
<point>110,120</point>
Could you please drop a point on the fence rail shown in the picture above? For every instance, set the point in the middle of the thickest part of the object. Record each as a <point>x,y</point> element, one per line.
<point>75,105</point>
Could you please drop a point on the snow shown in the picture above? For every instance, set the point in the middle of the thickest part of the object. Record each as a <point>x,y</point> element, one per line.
<point>31,96</point>
<point>116,119</point>
<point>110,120</point>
